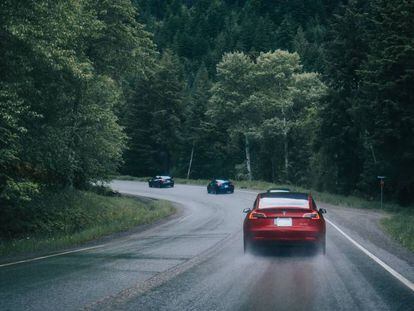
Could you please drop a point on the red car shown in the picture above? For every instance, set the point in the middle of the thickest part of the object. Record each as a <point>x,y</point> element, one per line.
<point>284,217</point>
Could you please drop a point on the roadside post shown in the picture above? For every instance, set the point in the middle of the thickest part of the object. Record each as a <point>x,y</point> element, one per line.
<point>381,178</point>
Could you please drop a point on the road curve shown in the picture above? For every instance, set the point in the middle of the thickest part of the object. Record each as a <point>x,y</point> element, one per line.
<point>196,262</point>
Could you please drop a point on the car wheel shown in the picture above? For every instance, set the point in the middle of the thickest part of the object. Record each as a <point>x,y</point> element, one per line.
<point>247,246</point>
<point>149,185</point>
<point>322,247</point>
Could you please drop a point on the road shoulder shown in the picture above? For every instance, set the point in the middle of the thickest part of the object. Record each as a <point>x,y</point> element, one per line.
<point>365,227</point>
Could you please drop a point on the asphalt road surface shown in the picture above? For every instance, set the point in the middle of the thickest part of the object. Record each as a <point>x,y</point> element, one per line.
<point>195,261</point>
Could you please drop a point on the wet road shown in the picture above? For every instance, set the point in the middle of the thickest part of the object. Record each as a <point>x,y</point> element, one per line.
<point>196,262</point>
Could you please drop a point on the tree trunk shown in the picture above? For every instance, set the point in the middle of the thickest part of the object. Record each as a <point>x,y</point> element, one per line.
<point>247,149</point>
<point>286,151</point>
<point>191,161</point>
<point>285,145</point>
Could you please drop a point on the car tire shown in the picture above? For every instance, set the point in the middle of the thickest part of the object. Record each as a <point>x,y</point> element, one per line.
<point>322,247</point>
<point>149,185</point>
<point>247,246</point>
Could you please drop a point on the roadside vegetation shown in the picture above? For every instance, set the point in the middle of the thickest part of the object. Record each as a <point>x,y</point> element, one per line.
<point>57,220</point>
<point>400,226</point>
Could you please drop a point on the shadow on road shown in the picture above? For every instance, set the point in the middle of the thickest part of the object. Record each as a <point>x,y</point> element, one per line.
<point>285,251</point>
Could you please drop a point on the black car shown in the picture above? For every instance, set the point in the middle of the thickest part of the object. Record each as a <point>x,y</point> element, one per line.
<point>220,186</point>
<point>161,181</point>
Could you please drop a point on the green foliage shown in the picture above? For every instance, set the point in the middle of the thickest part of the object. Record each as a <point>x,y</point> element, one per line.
<point>66,68</point>
<point>366,122</point>
<point>264,101</point>
<point>386,101</point>
<point>54,220</point>
<point>400,226</point>
<point>84,88</point>
<point>152,118</point>
<point>201,31</point>
<point>66,64</point>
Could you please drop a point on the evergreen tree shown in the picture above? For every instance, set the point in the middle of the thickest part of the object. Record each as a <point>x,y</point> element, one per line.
<point>338,144</point>
<point>153,120</point>
<point>387,96</point>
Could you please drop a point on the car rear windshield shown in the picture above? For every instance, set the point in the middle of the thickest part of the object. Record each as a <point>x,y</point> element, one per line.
<point>272,202</point>
<point>222,181</point>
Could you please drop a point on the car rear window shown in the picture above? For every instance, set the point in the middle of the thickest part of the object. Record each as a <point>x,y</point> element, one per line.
<point>222,181</point>
<point>270,202</point>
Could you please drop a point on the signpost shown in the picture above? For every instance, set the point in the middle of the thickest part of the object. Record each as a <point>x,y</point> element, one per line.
<point>381,178</point>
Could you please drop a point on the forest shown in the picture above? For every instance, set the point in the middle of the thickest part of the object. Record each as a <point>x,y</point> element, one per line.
<point>316,93</point>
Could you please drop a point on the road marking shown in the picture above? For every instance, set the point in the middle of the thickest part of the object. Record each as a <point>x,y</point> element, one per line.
<point>184,218</point>
<point>394,273</point>
<point>49,256</point>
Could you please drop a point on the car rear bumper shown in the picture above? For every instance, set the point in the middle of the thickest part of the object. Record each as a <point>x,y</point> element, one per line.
<point>169,184</point>
<point>225,190</point>
<point>291,235</point>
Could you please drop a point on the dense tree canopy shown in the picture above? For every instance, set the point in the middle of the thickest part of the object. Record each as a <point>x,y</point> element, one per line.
<point>316,93</point>
<point>363,52</point>
<point>264,98</point>
<point>62,81</point>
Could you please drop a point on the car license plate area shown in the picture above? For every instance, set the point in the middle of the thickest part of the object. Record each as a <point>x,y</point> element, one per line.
<point>283,222</point>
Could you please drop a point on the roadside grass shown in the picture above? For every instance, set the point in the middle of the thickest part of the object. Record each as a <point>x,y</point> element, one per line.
<point>70,219</point>
<point>400,225</point>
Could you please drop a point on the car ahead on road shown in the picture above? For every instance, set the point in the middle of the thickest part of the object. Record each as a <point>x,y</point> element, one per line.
<point>284,218</point>
<point>217,186</point>
<point>161,181</point>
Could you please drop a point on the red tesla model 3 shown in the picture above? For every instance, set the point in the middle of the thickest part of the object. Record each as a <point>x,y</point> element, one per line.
<point>284,217</point>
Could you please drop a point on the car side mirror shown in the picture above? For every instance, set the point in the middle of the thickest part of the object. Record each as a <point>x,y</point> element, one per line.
<point>247,210</point>
<point>322,211</point>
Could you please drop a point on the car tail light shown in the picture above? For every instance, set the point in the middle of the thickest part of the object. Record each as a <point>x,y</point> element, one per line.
<point>254,215</point>
<point>313,215</point>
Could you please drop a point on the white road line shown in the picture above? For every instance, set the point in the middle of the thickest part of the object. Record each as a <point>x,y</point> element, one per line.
<point>394,273</point>
<point>184,218</point>
<point>49,256</point>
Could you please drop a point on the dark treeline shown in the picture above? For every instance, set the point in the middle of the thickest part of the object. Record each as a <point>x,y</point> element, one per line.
<point>360,128</point>
<point>316,93</point>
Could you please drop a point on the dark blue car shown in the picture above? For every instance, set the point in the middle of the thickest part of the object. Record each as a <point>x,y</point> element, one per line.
<point>220,186</point>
